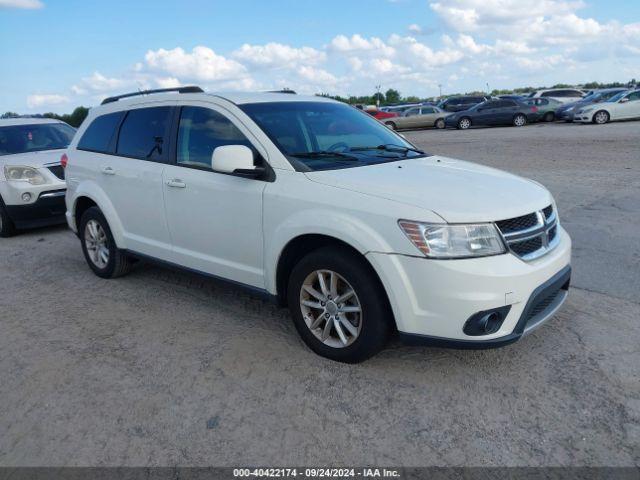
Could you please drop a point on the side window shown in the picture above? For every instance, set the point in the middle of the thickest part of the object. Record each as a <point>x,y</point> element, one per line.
<point>551,94</point>
<point>634,97</point>
<point>411,112</point>
<point>200,132</point>
<point>97,137</point>
<point>142,134</point>
<point>427,110</point>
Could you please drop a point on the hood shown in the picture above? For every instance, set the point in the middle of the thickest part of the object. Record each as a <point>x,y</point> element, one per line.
<point>457,191</point>
<point>33,159</point>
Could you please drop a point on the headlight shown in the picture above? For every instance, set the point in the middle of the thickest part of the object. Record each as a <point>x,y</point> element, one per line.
<point>454,241</point>
<point>24,174</point>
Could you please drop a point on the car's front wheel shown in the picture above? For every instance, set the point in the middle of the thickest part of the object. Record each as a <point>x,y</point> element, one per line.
<point>464,123</point>
<point>601,117</point>
<point>7,228</point>
<point>519,120</point>
<point>99,248</point>
<point>338,305</point>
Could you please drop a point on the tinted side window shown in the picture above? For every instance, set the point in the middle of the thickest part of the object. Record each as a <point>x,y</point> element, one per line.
<point>411,112</point>
<point>97,137</point>
<point>200,132</point>
<point>551,94</point>
<point>142,134</point>
<point>634,97</point>
<point>427,110</point>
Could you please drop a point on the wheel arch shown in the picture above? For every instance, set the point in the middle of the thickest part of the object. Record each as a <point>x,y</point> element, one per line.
<point>300,246</point>
<point>90,195</point>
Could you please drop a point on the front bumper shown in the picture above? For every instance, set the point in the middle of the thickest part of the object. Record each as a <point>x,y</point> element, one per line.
<point>48,209</point>
<point>585,117</point>
<point>432,299</point>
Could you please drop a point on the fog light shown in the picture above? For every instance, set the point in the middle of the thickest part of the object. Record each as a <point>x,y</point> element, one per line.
<point>486,322</point>
<point>26,197</point>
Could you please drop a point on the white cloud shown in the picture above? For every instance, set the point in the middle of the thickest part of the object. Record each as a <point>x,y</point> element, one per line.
<point>278,55</point>
<point>201,64</point>
<point>46,100</point>
<point>24,4</point>
<point>415,28</point>
<point>355,43</point>
<point>97,83</point>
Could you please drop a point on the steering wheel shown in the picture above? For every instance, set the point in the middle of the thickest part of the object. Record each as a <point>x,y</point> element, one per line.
<point>338,146</point>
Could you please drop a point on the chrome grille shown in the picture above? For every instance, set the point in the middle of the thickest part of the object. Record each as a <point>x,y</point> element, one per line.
<point>531,236</point>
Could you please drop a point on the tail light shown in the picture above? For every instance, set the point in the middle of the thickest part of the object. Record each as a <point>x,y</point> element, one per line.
<point>534,109</point>
<point>64,160</point>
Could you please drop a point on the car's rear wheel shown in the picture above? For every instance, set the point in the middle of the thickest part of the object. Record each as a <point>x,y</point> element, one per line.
<point>464,123</point>
<point>338,306</point>
<point>440,124</point>
<point>99,248</point>
<point>7,228</point>
<point>601,117</point>
<point>391,125</point>
<point>519,120</point>
<point>549,117</point>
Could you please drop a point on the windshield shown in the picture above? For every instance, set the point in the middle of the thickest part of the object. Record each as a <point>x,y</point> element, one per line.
<point>325,136</point>
<point>33,138</point>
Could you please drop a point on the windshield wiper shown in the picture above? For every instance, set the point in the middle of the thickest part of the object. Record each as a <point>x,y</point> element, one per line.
<point>323,153</point>
<point>388,147</point>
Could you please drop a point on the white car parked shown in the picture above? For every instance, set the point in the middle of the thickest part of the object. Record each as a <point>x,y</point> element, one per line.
<point>32,186</point>
<point>563,95</point>
<point>319,206</point>
<point>624,106</point>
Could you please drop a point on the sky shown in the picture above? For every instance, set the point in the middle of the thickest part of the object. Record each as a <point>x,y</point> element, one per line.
<point>58,54</point>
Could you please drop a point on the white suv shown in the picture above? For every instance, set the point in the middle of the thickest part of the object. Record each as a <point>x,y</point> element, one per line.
<point>563,95</point>
<point>317,205</point>
<point>32,186</point>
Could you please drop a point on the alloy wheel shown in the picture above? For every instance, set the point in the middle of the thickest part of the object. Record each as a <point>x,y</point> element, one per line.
<point>465,123</point>
<point>602,117</point>
<point>519,121</point>
<point>97,244</point>
<point>331,308</point>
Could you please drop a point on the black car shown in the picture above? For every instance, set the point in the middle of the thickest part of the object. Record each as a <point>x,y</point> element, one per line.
<point>494,112</point>
<point>458,104</point>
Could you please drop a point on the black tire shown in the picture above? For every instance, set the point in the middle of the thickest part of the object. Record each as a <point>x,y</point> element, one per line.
<point>519,120</point>
<point>462,125</point>
<point>391,125</point>
<point>601,114</point>
<point>376,316</point>
<point>118,264</point>
<point>549,117</point>
<point>440,124</point>
<point>7,227</point>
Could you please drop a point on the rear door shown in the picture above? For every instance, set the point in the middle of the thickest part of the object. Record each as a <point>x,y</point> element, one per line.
<point>215,219</point>
<point>485,114</point>
<point>132,179</point>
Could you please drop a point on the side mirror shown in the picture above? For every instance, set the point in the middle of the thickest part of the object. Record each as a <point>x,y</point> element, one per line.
<point>624,100</point>
<point>235,159</point>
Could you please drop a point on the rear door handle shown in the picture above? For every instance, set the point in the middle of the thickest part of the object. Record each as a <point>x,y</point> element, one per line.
<point>176,183</point>
<point>108,171</point>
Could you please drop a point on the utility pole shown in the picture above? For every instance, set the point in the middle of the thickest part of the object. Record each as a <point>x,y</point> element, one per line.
<point>440,87</point>
<point>378,96</point>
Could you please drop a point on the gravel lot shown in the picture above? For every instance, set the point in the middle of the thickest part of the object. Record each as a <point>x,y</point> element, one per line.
<point>166,368</point>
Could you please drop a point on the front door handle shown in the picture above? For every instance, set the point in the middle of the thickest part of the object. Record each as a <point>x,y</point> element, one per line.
<point>176,183</point>
<point>108,171</point>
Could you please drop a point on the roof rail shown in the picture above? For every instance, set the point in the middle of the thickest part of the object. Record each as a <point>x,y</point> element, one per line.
<point>190,89</point>
<point>284,90</point>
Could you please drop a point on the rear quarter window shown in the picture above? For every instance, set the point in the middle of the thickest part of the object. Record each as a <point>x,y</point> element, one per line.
<point>100,133</point>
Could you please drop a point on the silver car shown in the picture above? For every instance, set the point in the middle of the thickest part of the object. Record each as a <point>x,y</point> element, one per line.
<point>418,117</point>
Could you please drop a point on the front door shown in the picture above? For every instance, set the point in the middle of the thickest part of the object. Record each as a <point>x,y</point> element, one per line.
<point>215,219</point>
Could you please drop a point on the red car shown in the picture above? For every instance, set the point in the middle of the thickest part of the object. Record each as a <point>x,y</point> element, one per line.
<point>380,115</point>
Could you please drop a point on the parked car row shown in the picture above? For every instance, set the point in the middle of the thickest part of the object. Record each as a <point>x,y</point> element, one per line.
<point>599,106</point>
<point>262,190</point>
